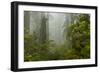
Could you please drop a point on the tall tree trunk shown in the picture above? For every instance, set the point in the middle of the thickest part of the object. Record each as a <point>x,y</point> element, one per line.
<point>43,28</point>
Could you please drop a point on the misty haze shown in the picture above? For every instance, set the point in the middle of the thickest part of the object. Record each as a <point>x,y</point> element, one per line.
<point>56,36</point>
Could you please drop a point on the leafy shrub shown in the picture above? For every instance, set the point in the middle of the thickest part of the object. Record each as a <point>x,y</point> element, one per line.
<point>76,46</point>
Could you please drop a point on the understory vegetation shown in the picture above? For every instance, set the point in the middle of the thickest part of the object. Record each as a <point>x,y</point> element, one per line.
<point>76,45</point>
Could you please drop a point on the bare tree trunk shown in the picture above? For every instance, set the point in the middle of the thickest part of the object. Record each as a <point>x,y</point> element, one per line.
<point>43,28</point>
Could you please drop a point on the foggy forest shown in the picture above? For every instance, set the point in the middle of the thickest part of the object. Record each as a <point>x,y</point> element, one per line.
<point>56,36</point>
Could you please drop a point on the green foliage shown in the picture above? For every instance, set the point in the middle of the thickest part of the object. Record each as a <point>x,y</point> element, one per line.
<point>76,46</point>
<point>79,35</point>
<point>35,50</point>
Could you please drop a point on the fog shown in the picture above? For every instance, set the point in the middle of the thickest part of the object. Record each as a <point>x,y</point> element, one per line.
<point>48,25</point>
